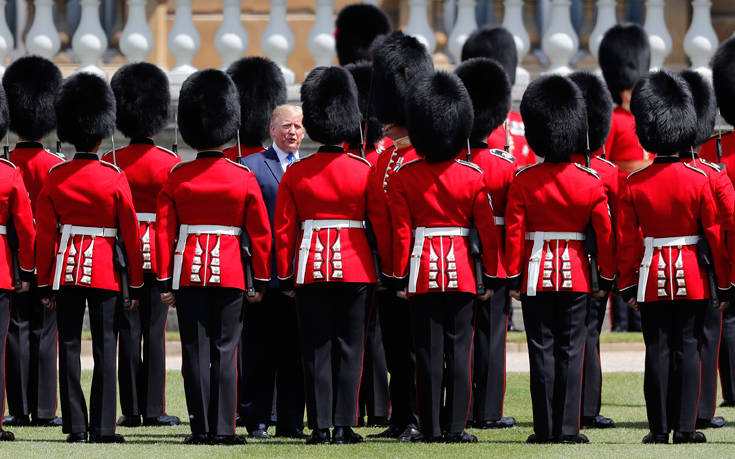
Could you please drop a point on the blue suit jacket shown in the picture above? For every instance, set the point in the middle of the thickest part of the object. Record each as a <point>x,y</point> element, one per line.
<point>268,172</point>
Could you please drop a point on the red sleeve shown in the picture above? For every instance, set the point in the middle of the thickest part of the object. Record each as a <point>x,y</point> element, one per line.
<point>402,225</point>
<point>258,227</point>
<point>286,225</point>
<point>602,224</point>
<point>515,230</point>
<point>127,221</point>
<point>380,219</point>
<point>713,232</point>
<point>167,225</point>
<point>484,220</point>
<point>724,195</point>
<point>610,142</point>
<point>630,250</point>
<point>46,221</point>
<point>22,214</point>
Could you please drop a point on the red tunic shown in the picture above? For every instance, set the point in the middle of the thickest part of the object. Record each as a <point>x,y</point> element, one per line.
<point>34,162</point>
<point>212,191</point>
<point>328,185</point>
<point>86,192</point>
<point>622,142</point>
<point>447,194</point>
<point>146,167</point>
<point>518,146</point>
<point>557,197</point>
<point>610,176</point>
<point>15,205</point>
<point>669,199</point>
<point>233,153</point>
<point>708,151</point>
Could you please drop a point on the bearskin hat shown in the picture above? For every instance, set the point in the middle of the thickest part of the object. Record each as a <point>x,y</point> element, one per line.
<point>361,73</point>
<point>439,116</point>
<point>357,27</point>
<point>555,117</point>
<point>705,106</point>
<point>665,118</point>
<point>209,109</point>
<point>723,78</point>
<point>4,116</point>
<point>398,61</point>
<point>262,88</point>
<point>599,105</point>
<point>489,88</point>
<point>329,101</point>
<point>494,42</point>
<point>625,56</point>
<point>30,85</point>
<point>85,111</point>
<point>143,99</point>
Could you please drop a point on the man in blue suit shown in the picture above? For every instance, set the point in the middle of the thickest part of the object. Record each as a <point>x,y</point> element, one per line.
<point>270,337</point>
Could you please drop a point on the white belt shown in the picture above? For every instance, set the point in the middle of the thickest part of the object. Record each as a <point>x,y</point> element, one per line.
<point>309,226</point>
<point>419,236</point>
<point>68,232</point>
<point>500,221</point>
<point>534,263</point>
<point>4,229</point>
<point>146,217</point>
<point>649,243</point>
<point>184,232</point>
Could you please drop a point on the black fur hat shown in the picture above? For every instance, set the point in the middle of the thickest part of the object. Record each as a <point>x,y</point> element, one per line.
<point>398,61</point>
<point>489,88</point>
<point>143,99</point>
<point>723,78</point>
<point>85,111</point>
<point>262,88</point>
<point>30,84</point>
<point>625,56</point>
<point>555,116</point>
<point>357,27</point>
<point>4,117</point>
<point>209,109</point>
<point>665,118</point>
<point>329,101</point>
<point>495,42</point>
<point>361,73</point>
<point>703,97</point>
<point>599,106</point>
<point>439,116</point>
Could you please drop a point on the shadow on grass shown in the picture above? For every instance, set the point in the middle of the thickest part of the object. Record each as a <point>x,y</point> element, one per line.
<point>630,425</point>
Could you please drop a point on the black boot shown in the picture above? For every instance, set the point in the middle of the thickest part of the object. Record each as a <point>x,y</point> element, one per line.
<point>345,435</point>
<point>318,437</point>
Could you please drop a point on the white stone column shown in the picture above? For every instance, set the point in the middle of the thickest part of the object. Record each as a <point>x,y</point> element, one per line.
<point>418,24</point>
<point>89,41</point>
<point>700,42</point>
<point>6,38</point>
<point>321,37</point>
<point>42,38</point>
<point>277,42</point>
<point>231,40</point>
<point>658,35</point>
<point>463,27</point>
<point>560,42</point>
<point>605,20</point>
<point>371,2</point>
<point>183,42</point>
<point>136,42</point>
<point>513,21</point>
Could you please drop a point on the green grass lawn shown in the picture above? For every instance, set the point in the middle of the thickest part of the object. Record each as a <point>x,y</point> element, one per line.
<point>622,400</point>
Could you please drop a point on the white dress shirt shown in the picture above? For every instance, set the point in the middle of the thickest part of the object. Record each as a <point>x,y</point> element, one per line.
<point>283,157</point>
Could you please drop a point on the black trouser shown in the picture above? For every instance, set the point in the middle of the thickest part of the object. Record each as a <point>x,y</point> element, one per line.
<point>31,357</point>
<point>4,319</point>
<point>624,318</point>
<point>556,333</point>
<point>143,380</point>
<point>671,332</point>
<point>592,370</point>
<point>269,359</point>
<point>727,354</point>
<point>395,322</point>
<point>332,328</point>
<point>103,305</point>
<point>488,373</point>
<point>710,350</point>
<point>374,394</point>
<point>210,324</point>
<point>442,325</point>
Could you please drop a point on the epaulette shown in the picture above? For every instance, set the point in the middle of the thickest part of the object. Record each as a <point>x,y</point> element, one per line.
<point>469,164</point>
<point>638,170</point>
<point>606,161</point>
<point>109,152</point>
<point>168,151</point>
<point>354,156</point>
<point>60,164</point>
<point>238,164</point>
<point>8,163</point>
<point>58,155</point>
<point>503,154</point>
<point>525,168</point>
<point>105,163</point>
<point>588,170</point>
<point>402,165</point>
<point>712,165</point>
<point>694,168</point>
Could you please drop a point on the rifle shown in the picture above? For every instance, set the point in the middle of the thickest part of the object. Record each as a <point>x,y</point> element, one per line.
<point>476,253</point>
<point>373,243</point>
<point>246,254</point>
<point>121,265</point>
<point>590,237</point>
<point>12,235</point>
<point>704,255</point>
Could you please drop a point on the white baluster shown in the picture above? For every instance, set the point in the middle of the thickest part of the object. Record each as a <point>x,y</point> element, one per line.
<point>89,41</point>
<point>560,42</point>
<point>658,35</point>
<point>700,42</point>
<point>321,37</point>
<point>6,38</point>
<point>277,42</point>
<point>42,38</point>
<point>605,20</point>
<point>183,42</point>
<point>231,40</point>
<point>463,27</point>
<point>371,2</point>
<point>418,24</point>
<point>136,42</point>
<point>513,21</point>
